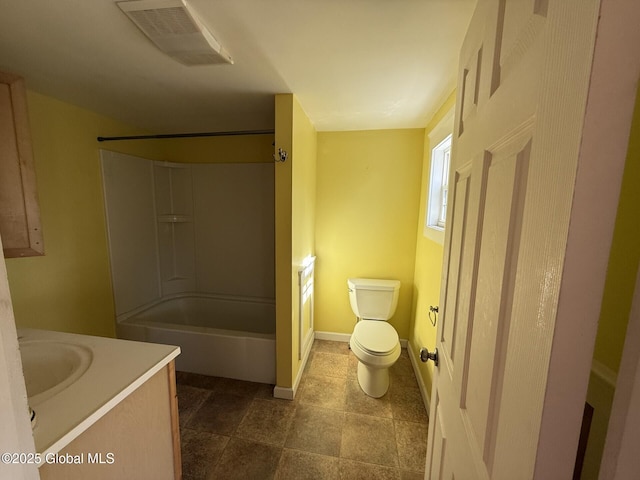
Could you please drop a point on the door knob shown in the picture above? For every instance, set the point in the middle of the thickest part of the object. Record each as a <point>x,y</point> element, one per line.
<point>426,355</point>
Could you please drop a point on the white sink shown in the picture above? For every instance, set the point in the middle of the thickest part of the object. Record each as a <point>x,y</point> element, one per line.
<point>50,367</point>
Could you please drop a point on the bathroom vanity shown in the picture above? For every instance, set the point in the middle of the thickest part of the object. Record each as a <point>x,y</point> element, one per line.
<point>105,408</point>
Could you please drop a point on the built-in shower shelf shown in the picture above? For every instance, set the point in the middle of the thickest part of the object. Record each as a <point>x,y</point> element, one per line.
<point>174,218</point>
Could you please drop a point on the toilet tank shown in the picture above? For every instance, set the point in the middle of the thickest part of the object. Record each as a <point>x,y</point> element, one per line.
<point>373,299</point>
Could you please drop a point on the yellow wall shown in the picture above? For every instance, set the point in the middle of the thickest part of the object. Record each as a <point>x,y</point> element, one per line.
<point>370,191</point>
<point>624,261</point>
<point>368,194</point>
<point>284,334</point>
<point>225,149</point>
<point>295,223</point>
<point>69,288</point>
<point>428,263</point>
<point>303,219</point>
<point>624,258</point>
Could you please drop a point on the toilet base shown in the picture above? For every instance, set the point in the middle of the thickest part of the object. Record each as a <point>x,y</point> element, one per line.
<point>373,381</point>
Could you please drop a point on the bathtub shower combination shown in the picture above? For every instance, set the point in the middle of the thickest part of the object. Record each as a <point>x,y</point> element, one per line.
<point>192,261</point>
<point>219,336</point>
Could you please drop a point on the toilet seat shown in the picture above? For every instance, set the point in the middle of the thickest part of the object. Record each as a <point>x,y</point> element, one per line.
<point>375,337</point>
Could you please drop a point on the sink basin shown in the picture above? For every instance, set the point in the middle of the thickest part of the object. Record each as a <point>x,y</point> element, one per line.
<point>50,367</point>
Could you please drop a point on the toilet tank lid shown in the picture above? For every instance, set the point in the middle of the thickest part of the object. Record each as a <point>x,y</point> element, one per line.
<point>373,284</point>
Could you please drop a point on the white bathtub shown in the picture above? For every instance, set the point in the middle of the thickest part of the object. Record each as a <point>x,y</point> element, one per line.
<point>231,337</point>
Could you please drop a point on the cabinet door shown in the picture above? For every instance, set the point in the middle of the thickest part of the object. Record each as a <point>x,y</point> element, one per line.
<point>19,212</point>
<point>139,438</point>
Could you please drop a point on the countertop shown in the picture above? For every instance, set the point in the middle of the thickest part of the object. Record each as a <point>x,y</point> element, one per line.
<point>118,368</point>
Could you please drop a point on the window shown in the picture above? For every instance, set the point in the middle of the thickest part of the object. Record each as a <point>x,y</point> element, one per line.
<point>438,188</point>
<point>439,185</point>
<point>444,183</point>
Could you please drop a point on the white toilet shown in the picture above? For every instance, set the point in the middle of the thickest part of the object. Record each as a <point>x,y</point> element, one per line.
<point>374,342</point>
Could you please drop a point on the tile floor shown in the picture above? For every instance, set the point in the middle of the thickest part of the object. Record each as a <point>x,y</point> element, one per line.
<point>232,429</point>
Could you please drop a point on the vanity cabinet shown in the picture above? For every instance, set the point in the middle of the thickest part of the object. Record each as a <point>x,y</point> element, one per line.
<point>19,212</point>
<point>138,439</point>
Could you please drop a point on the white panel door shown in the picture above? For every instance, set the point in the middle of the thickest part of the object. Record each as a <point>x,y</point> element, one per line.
<point>525,70</point>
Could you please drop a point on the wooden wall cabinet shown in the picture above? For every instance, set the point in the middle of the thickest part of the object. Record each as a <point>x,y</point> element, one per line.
<point>20,226</point>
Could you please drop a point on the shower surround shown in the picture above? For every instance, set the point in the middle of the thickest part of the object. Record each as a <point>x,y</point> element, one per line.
<point>192,260</point>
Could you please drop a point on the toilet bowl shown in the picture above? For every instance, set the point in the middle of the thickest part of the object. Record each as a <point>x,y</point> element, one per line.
<point>374,342</point>
<point>377,347</point>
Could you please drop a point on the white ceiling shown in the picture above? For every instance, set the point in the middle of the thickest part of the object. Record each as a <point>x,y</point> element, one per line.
<point>353,64</point>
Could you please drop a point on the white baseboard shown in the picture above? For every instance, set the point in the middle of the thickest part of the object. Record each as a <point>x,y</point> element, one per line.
<point>416,371</point>
<point>289,393</point>
<point>283,392</point>
<point>334,337</point>
<point>345,337</point>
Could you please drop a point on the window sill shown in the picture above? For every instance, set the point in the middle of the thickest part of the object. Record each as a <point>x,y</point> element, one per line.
<point>434,233</point>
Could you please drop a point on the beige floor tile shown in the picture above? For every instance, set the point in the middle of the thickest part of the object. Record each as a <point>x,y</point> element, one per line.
<point>200,453</point>
<point>403,380</point>
<point>323,391</point>
<point>264,391</point>
<point>234,429</point>
<point>266,421</point>
<point>353,366</point>
<point>411,441</point>
<point>237,387</point>
<point>409,475</point>
<point>369,439</point>
<point>297,465</point>
<point>308,364</point>
<point>350,470</point>
<point>328,364</point>
<point>220,413</point>
<point>316,430</point>
<point>341,348</point>
<point>189,400</point>
<point>407,404</point>
<point>356,401</point>
<point>246,460</point>
<point>196,380</point>
<point>402,367</point>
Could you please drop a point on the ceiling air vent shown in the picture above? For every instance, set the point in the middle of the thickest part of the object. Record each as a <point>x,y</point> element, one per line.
<point>176,30</point>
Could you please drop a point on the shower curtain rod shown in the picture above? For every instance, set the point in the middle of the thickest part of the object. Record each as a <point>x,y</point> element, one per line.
<point>187,135</point>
